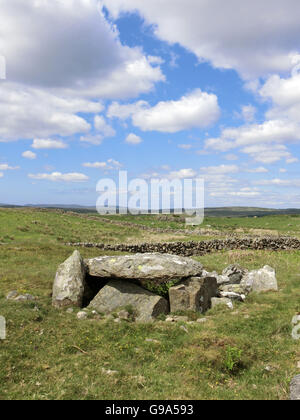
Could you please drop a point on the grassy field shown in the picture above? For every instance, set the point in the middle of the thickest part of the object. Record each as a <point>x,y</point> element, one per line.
<point>49,354</point>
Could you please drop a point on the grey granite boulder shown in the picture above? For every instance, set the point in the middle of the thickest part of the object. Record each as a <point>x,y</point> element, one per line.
<point>235,273</point>
<point>144,269</point>
<point>193,294</point>
<point>262,280</point>
<point>295,389</point>
<point>69,283</point>
<point>221,301</point>
<point>118,294</point>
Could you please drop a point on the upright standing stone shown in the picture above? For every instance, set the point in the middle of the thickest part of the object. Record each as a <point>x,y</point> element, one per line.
<point>193,294</point>
<point>263,280</point>
<point>69,283</point>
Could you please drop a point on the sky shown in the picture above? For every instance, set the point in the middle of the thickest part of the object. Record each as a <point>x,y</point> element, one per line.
<point>167,89</point>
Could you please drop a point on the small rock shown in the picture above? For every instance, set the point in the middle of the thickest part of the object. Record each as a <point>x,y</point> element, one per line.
<point>233,296</point>
<point>202,320</point>
<point>12,295</point>
<point>117,320</point>
<point>296,320</point>
<point>152,340</point>
<point>124,315</point>
<point>109,372</point>
<point>181,318</point>
<point>70,311</point>
<point>183,328</point>
<point>24,298</point>
<point>170,319</point>
<point>221,301</point>
<point>82,315</point>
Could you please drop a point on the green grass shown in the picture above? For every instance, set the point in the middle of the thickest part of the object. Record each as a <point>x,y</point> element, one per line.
<point>49,354</point>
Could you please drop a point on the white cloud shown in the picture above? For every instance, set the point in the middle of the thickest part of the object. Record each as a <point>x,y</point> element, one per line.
<point>269,154</point>
<point>48,144</point>
<point>58,176</point>
<point>102,126</point>
<point>182,173</point>
<point>1,174</point>
<point>263,142</point>
<point>6,167</point>
<point>82,59</point>
<point>29,155</point>
<point>220,170</point>
<point>280,182</point>
<point>133,139</point>
<point>197,109</point>
<point>246,194</point>
<point>40,114</point>
<point>255,40</point>
<point>248,113</point>
<point>111,164</point>
<point>285,97</point>
<point>259,170</point>
<point>185,146</point>
<point>123,112</point>
<point>95,140</point>
<point>83,53</point>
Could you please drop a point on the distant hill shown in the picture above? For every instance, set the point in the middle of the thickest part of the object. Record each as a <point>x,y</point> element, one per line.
<point>209,212</point>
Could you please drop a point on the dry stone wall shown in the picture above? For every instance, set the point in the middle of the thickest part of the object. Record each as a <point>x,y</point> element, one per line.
<point>191,248</point>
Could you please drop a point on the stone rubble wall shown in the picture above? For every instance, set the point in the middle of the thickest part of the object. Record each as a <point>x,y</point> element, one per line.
<point>191,248</point>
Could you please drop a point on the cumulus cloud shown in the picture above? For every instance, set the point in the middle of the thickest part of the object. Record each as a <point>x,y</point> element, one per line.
<point>196,109</point>
<point>58,176</point>
<point>38,113</point>
<point>259,170</point>
<point>284,94</point>
<point>94,140</point>
<point>263,142</point>
<point>248,113</point>
<point>220,170</point>
<point>48,144</point>
<point>102,126</point>
<point>111,164</point>
<point>83,52</point>
<point>47,87</point>
<point>280,182</point>
<point>29,155</point>
<point>123,112</point>
<point>182,173</point>
<point>133,139</point>
<point>6,167</point>
<point>255,40</point>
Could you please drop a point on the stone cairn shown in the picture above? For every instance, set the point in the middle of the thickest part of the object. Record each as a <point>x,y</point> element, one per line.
<point>152,284</point>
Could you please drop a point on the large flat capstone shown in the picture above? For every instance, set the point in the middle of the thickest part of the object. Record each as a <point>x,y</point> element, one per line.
<point>118,294</point>
<point>144,268</point>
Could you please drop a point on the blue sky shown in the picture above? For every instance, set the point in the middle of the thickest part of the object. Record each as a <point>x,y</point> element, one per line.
<point>168,89</point>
